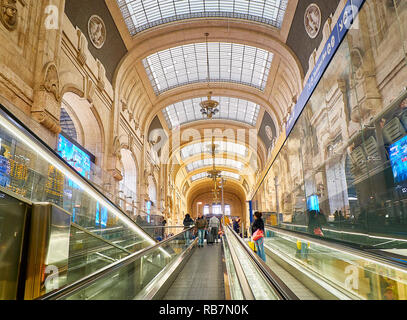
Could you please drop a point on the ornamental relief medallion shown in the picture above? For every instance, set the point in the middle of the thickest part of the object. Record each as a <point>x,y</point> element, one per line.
<point>8,14</point>
<point>312,20</point>
<point>97,31</point>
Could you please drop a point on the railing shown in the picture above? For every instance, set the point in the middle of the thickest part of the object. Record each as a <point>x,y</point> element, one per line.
<point>348,272</point>
<point>265,277</point>
<point>99,283</point>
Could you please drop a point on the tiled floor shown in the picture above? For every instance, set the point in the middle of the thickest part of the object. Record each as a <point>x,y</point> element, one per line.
<point>201,278</point>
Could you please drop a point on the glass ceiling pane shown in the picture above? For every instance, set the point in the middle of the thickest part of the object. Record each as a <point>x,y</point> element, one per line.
<point>223,147</point>
<point>218,162</point>
<point>140,15</point>
<point>204,175</point>
<point>229,109</point>
<point>228,62</point>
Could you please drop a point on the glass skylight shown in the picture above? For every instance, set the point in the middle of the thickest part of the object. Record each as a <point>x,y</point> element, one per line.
<point>140,15</point>
<point>229,109</point>
<point>223,147</point>
<point>218,162</point>
<point>204,175</point>
<point>228,62</point>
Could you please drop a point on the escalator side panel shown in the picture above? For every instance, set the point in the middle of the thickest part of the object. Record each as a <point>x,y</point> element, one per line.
<point>14,218</point>
<point>48,250</point>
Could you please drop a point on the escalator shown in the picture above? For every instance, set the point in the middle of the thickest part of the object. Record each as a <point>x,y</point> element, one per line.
<point>173,270</point>
<point>334,269</point>
<point>298,267</point>
<point>55,226</point>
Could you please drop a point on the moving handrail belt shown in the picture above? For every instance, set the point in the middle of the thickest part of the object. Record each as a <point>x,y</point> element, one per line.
<point>88,280</point>
<point>281,288</point>
<point>340,246</point>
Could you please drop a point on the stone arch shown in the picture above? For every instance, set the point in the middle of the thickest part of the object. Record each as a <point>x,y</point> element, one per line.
<point>129,171</point>
<point>88,122</point>
<point>152,189</point>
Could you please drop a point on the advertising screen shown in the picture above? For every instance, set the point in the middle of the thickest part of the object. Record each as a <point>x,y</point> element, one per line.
<point>398,159</point>
<point>148,210</point>
<point>313,202</point>
<point>101,216</point>
<point>76,157</point>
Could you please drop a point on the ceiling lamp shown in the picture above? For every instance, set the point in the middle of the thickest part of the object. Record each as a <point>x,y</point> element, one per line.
<point>213,174</point>
<point>209,107</point>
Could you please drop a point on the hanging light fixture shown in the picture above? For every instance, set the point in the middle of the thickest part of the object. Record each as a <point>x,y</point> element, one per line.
<point>213,174</point>
<point>208,107</point>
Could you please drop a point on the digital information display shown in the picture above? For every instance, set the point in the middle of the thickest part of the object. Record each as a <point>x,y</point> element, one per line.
<point>313,203</point>
<point>76,157</point>
<point>148,210</point>
<point>101,216</point>
<point>81,162</point>
<point>398,159</point>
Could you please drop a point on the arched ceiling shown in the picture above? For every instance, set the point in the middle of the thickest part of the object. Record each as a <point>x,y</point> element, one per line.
<point>171,59</point>
<point>225,61</point>
<point>165,75</point>
<point>200,187</point>
<point>235,109</point>
<point>140,15</point>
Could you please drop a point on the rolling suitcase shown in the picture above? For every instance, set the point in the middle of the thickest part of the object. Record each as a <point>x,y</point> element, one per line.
<point>210,239</point>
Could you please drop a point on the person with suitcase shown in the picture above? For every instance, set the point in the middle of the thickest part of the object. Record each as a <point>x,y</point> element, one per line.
<point>214,224</point>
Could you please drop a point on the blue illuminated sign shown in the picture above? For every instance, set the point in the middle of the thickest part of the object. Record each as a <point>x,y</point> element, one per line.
<point>101,216</point>
<point>313,202</point>
<point>77,158</point>
<point>148,210</point>
<point>398,159</point>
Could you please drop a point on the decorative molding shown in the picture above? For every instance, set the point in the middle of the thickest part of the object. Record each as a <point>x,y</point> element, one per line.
<point>51,80</point>
<point>97,31</point>
<point>312,20</point>
<point>89,89</point>
<point>47,120</point>
<point>124,105</point>
<point>9,14</point>
<point>82,46</point>
<point>101,75</point>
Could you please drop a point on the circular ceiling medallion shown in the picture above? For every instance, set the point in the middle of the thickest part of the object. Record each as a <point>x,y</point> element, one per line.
<point>312,20</point>
<point>97,31</point>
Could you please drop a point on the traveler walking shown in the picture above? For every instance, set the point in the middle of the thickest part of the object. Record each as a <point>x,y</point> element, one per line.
<point>236,226</point>
<point>214,224</point>
<point>258,235</point>
<point>201,224</point>
<point>188,222</point>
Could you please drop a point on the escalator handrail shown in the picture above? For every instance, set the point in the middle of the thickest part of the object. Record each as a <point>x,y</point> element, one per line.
<point>98,237</point>
<point>92,278</point>
<point>280,287</point>
<point>340,246</point>
<point>243,282</point>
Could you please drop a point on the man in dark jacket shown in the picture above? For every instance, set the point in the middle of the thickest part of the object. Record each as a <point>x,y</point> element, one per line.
<point>201,224</point>
<point>188,223</point>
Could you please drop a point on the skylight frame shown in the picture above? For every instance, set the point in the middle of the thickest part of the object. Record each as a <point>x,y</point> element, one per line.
<point>230,148</point>
<point>203,163</point>
<point>188,111</point>
<point>140,15</point>
<point>228,62</point>
<point>204,175</point>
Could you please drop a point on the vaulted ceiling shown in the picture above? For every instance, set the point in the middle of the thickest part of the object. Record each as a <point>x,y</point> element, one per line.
<point>251,71</point>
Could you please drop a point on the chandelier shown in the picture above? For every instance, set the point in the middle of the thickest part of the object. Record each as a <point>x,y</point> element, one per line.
<point>209,107</point>
<point>213,174</point>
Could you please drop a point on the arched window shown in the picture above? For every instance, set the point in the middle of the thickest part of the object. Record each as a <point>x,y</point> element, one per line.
<point>67,125</point>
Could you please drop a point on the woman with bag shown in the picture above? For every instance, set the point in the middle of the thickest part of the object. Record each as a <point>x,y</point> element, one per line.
<point>258,235</point>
